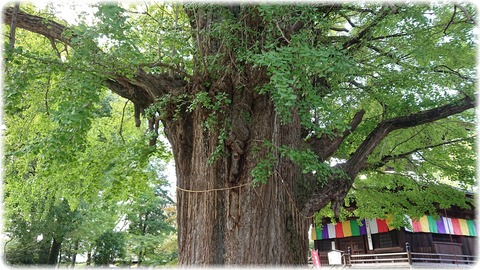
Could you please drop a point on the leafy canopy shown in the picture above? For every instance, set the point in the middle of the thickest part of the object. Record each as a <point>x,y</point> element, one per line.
<point>388,60</point>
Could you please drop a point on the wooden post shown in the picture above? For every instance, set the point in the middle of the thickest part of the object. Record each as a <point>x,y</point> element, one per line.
<point>348,260</point>
<point>409,254</point>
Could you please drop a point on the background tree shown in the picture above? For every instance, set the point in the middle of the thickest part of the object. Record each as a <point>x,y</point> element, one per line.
<point>167,252</point>
<point>109,247</point>
<point>274,112</point>
<point>148,225</point>
<point>76,225</point>
<point>65,175</point>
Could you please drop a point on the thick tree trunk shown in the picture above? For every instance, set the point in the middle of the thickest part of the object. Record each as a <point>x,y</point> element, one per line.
<point>222,218</point>
<point>54,251</point>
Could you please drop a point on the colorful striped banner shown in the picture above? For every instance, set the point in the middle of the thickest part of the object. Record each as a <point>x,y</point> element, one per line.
<point>347,229</point>
<point>463,226</point>
<point>313,234</point>
<point>339,230</point>
<point>378,225</point>
<point>382,226</point>
<point>448,222</point>
<point>441,226</point>
<point>456,226</point>
<point>472,230</point>
<point>373,225</point>
<point>331,231</point>
<point>389,221</point>
<point>426,224</point>
<point>432,224</point>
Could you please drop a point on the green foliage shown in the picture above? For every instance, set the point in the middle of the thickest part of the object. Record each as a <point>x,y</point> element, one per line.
<point>411,61</point>
<point>307,161</point>
<point>265,165</point>
<point>162,106</point>
<point>26,251</point>
<point>73,197</point>
<point>68,158</point>
<point>291,69</point>
<point>291,87</point>
<point>219,149</point>
<point>149,226</point>
<point>32,235</point>
<point>109,247</point>
<point>405,194</point>
<point>170,106</point>
<point>263,170</point>
<point>215,105</point>
<point>167,252</point>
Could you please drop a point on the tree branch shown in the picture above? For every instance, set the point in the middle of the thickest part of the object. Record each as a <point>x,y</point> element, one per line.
<point>337,186</point>
<point>451,20</point>
<point>358,159</point>
<point>120,131</point>
<point>348,19</point>
<point>325,146</point>
<point>389,36</point>
<point>54,46</point>
<point>382,53</point>
<point>142,90</point>
<point>367,29</point>
<point>388,158</point>
<point>447,70</point>
<point>467,14</point>
<point>281,32</point>
<point>339,29</point>
<point>13,25</point>
<point>36,24</point>
<point>46,95</point>
<point>160,64</point>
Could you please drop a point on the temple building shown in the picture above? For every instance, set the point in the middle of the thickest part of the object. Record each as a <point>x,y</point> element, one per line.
<point>449,238</point>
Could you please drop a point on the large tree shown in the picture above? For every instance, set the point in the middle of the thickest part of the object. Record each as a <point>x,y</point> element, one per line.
<point>274,112</point>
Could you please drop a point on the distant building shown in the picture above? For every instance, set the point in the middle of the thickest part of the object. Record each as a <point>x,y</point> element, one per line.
<point>449,239</point>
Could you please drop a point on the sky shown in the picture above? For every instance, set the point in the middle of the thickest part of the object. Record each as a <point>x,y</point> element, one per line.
<point>67,10</point>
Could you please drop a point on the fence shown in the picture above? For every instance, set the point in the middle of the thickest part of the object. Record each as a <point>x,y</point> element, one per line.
<point>408,258</point>
<point>442,258</point>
